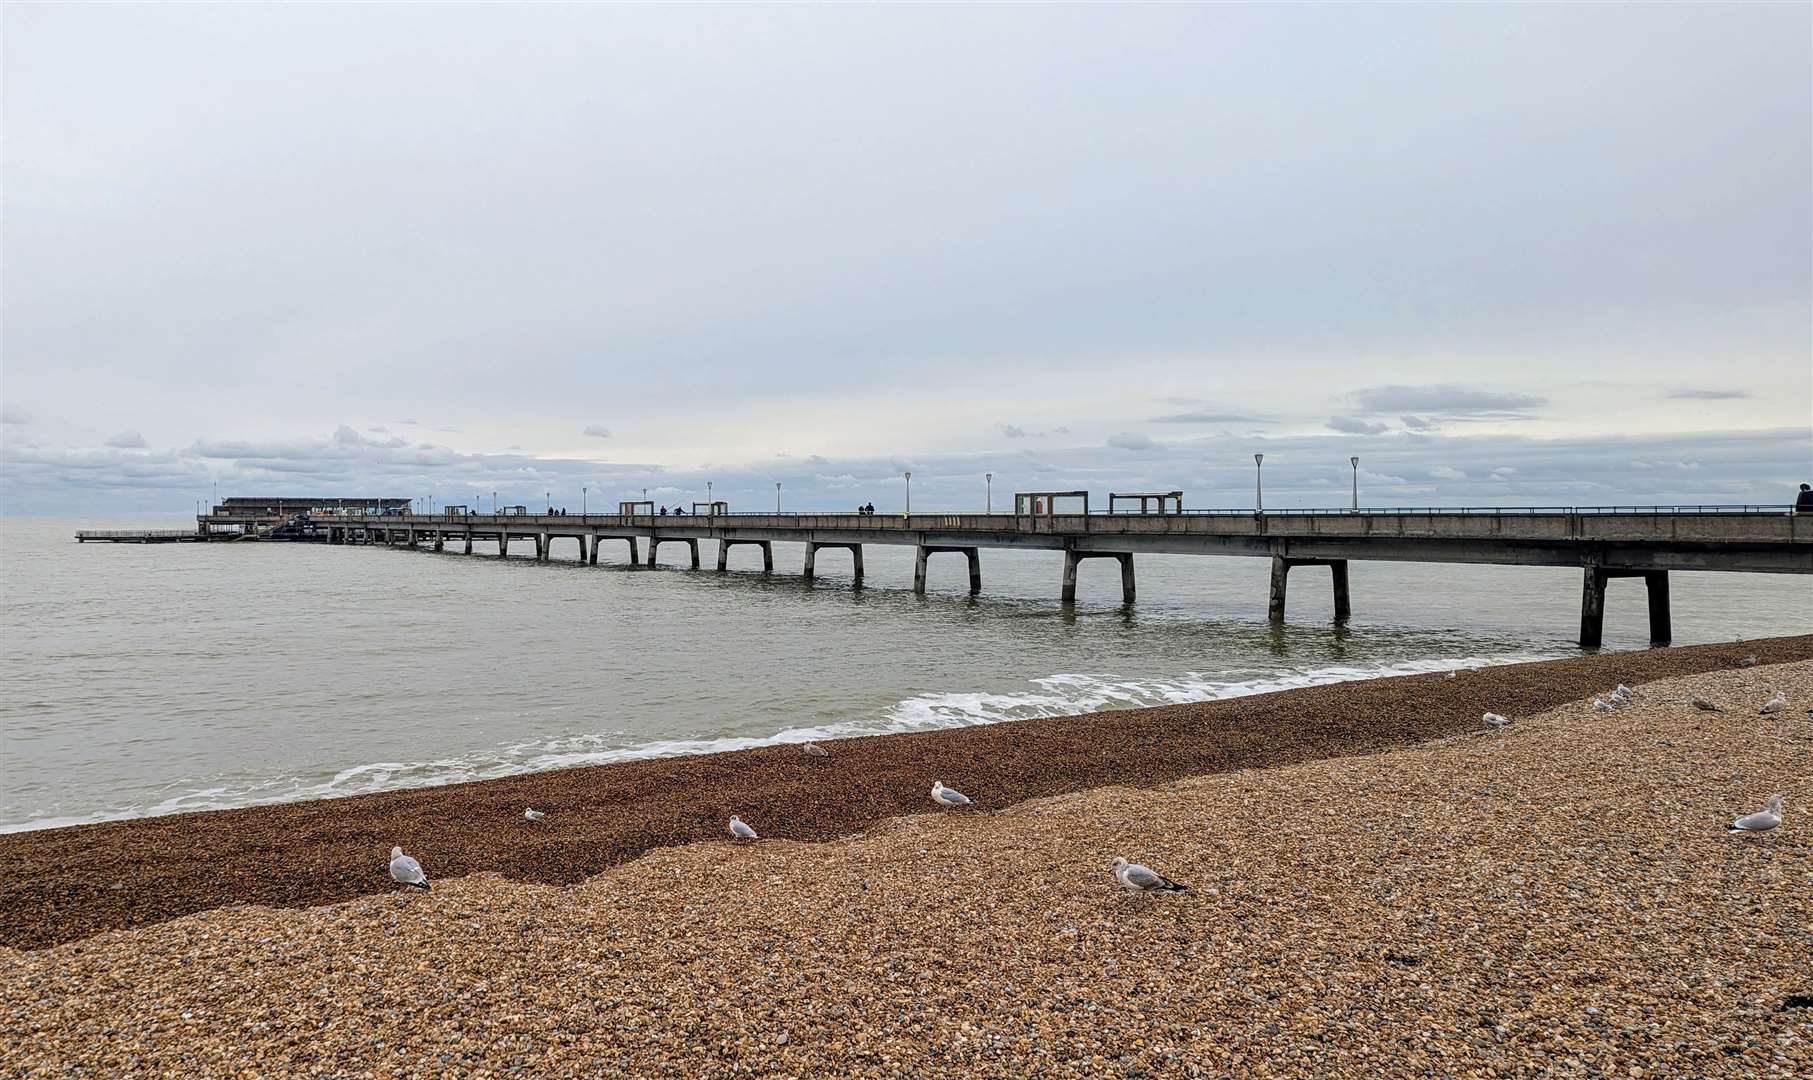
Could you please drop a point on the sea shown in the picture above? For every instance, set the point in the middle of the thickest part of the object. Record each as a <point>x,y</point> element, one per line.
<point>142,680</point>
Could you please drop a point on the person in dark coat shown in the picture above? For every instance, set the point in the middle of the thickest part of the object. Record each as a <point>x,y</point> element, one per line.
<point>1803,503</point>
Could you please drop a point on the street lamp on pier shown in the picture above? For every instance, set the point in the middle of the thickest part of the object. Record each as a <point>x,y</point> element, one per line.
<point>777,496</point>
<point>582,492</point>
<point>909,493</point>
<point>988,489</point>
<point>1355,462</point>
<point>1259,483</point>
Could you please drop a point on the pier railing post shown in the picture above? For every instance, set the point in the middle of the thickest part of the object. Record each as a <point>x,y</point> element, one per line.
<point>1661,623</point>
<point>1592,608</point>
<point>1343,604</point>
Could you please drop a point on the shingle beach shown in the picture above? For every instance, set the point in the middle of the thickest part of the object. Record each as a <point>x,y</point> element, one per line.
<point>1556,898</point>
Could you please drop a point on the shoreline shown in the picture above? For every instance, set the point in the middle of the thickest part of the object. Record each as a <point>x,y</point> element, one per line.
<point>65,884</point>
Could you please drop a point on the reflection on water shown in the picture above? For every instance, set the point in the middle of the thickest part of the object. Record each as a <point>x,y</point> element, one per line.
<point>152,679</point>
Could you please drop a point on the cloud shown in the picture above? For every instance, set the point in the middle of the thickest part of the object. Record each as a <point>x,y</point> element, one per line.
<point>1212,418</point>
<point>11,415</point>
<point>127,440</point>
<point>1420,423</point>
<point>597,431</point>
<point>1130,441</point>
<point>1707,395</point>
<point>1444,472</point>
<point>1013,432</point>
<point>1449,400</point>
<point>1353,425</point>
<point>380,429</point>
<point>410,422</point>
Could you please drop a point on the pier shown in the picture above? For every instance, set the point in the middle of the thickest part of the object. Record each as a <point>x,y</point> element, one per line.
<point>1605,543</point>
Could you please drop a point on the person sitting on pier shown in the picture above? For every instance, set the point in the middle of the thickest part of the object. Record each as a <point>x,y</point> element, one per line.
<point>664,511</point>
<point>679,512</point>
<point>1803,503</point>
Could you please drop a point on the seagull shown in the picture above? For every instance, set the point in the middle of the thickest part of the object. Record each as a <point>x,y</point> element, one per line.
<point>812,749</point>
<point>740,831</point>
<point>1775,704</point>
<point>1621,695</point>
<point>944,796</point>
<point>1703,705</point>
<point>1135,877</point>
<point>1450,675</point>
<point>1495,721</point>
<point>1761,821</point>
<point>1601,705</point>
<point>406,871</point>
<point>533,815</point>
<point>1748,661</point>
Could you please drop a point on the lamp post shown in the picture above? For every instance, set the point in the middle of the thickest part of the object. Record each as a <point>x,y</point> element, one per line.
<point>494,504</point>
<point>1355,462</point>
<point>988,481</point>
<point>777,496</point>
<point>1259,483</point>
<point>549,509</point>
<point>909,493</point>
<point>710,507</point>
<point>582,491</point>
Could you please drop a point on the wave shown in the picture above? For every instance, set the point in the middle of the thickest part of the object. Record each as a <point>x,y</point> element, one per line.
<point>1051,696</point>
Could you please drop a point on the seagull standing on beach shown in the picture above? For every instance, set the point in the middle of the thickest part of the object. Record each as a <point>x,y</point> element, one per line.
<point>1139,878</point>
<point>1703,705</point>
<point>533,815</point>
<point>1601,705</point>
<point>812,749</point>
<point>1748,661</point>
<point>740,831</point>
<point>1775,704</point>
<point>1495,721</point>
<point>944,796</point>
<point>406,871</point>
<point>1621,695</point>
<point>1761,821</point>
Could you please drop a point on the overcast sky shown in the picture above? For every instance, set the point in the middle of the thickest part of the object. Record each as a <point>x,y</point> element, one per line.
<point>1531,254</point>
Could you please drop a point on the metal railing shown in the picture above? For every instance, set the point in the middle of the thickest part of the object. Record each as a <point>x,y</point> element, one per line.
<point>1654,510</point>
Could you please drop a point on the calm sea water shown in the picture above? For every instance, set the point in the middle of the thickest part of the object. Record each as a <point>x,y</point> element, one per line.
<point>149,680</point>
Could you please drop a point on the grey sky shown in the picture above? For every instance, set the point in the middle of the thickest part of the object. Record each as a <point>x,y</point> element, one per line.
<point>1079,246</point>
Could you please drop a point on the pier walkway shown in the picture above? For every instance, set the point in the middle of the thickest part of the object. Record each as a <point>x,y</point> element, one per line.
<point>1605,542</point>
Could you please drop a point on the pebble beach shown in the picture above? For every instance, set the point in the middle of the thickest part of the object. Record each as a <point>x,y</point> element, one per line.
<point>1557,898</point>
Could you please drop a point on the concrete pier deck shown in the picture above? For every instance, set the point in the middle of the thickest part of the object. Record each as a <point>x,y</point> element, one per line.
<point>1605,542</point>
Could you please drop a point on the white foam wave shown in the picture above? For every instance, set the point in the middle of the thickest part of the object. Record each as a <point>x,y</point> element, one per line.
<point>1053,695</point>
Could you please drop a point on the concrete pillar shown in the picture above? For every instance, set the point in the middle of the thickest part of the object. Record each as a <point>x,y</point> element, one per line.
<point>1661,623</point>
<point>503,545</point>
<point>921,553</point>
<point>635,549</point>
<point>693,547</point>
<point>1281,569</point>
<point>856,554</point>
<point>468,540</point>
<point>1126,578</point>
<point>1070,561</point>
<point>767,557</point>
<point>1343,603</point>
<point>440,540</point>
<point>723,555</point>
<point>975,569</point>
<point>544,546</point>
<point>654,544</point>
<point>1592,608</point>
<point>811,560</point>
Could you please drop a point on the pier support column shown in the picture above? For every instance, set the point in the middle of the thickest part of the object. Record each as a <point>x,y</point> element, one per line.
<point>723,556</point>
<point>1069,591</point>
<point>975,569</point>
<point>543,546</point>
<point>1592,608</point>
<point>1281,569</point>
<point>921,554</point>
<point>767,557</point>
<point>1661,623</point>
<point>693,547</point>
<point>440,540</point>
<point>591,557</point>
<point>1343,602</point>
<point>806,570</point>
<point>635,549</point>
<point>1127,591</point>
<point>587,554</point>
<point>503,545</point>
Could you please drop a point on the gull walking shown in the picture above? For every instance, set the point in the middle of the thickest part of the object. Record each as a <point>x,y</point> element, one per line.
<point>1139,878</point>
<point>533,815</point>
<point>1775,704</point>
<point>1761,821</point>
<point>740,831</point>
<point>944,796</point>
<point>406,871</point>
<point>1495,721</point>
<point>812,749</point>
